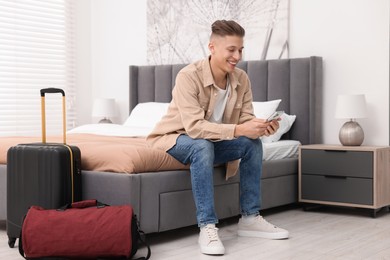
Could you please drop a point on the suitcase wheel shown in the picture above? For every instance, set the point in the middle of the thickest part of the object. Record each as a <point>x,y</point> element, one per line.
<point>11,242</point>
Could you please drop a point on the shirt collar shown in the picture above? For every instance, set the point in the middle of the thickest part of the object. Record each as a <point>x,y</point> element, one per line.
<point>208,79</point>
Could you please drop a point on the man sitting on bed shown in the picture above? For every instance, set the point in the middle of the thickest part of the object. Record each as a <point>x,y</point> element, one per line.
<point>210,121</point>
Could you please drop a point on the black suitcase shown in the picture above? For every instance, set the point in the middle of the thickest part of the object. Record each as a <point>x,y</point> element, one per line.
<point>44,174</point>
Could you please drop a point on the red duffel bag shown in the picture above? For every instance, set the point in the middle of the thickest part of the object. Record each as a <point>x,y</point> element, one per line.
<point>85,229</point>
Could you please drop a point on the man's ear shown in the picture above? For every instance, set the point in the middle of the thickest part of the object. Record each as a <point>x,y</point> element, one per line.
<point>211,47</point>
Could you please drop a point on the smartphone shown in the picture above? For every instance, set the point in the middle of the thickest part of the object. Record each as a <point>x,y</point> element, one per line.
<point>275,115</point>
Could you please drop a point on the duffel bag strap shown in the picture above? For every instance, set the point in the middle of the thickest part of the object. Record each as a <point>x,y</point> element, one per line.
<point>138,235</point>
<point>145,244</point>
<point>88,204</point>
<point>83,204</point>
<point>20,246</point>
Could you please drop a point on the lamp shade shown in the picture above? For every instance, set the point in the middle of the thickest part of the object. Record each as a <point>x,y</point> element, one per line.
<point>351,106</point>
<point>104,107</point>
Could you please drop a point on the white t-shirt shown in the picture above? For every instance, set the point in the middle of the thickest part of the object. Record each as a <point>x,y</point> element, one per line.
<point>220,104</point>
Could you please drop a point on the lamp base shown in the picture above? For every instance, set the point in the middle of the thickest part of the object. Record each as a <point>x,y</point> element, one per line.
<point>351,134</point>
<point>105,121</point>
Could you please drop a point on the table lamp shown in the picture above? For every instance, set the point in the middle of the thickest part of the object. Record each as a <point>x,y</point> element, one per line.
<point>104,108</point>
<point>352,107</point>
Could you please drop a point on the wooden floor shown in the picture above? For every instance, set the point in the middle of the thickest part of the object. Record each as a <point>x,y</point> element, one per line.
<point>320,233</point>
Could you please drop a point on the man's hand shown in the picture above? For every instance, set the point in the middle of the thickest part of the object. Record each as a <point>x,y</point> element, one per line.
<point>256,127</point>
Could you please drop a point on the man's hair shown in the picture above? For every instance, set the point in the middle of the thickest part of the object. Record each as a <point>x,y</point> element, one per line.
<point>224,27</point>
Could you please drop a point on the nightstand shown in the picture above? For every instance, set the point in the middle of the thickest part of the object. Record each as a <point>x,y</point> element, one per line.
<point>354,176</point>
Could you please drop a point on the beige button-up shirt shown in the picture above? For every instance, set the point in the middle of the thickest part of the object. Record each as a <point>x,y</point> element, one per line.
<point>193,101</point>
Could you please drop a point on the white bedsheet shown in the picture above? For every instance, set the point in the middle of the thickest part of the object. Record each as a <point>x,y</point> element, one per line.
<point>281,149</point>
<point>111,130</point>
<point>271,151</point>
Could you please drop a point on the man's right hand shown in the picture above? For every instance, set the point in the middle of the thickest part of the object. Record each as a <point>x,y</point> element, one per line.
<point>255,128</point>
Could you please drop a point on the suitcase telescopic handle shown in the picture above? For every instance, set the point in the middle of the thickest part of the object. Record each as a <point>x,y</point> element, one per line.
<point>52,90</point>
<point>43,110</point>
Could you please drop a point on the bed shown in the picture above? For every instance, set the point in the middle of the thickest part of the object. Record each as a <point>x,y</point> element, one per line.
<point>162,198</point>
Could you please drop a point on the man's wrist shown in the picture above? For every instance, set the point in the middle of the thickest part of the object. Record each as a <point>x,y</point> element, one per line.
<point>237,131</point>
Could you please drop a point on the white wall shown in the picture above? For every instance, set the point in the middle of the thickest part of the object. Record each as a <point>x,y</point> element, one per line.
<point>83,58</point>
<point>351,35</point>
<point>117,39</point>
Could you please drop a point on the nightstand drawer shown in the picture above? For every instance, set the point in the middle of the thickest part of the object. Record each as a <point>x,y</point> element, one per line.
<point>337,163</point>
<point>337,189</point>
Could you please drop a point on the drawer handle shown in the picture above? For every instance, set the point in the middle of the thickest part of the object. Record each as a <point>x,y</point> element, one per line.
<point>335,177</point>
<point>337,151</point>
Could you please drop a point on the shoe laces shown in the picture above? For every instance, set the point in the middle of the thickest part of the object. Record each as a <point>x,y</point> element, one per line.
<point>212,233</point>
<point>261,219</point>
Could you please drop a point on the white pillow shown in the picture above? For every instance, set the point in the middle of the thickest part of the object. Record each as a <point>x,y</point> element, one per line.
<point>266,108</point>
<point>284,125</point>
<point>146,114</point>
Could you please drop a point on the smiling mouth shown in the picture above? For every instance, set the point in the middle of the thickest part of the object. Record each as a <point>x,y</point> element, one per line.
<point>232,63</point>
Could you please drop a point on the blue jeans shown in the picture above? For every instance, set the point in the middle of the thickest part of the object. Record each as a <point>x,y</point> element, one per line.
<point>203,154</point>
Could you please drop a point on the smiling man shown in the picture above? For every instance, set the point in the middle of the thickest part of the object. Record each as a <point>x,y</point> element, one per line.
<point>210,121</point>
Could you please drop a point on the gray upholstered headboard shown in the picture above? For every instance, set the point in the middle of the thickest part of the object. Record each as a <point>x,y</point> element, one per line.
<point>298,82</point>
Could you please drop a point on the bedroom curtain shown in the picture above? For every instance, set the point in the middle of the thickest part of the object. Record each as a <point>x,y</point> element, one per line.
<point>36,51</point>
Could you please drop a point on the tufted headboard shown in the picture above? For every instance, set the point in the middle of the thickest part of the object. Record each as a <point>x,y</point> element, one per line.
<point>298,82</point>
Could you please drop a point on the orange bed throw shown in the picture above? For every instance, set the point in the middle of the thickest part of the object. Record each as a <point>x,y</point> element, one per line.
<point>107,153</point>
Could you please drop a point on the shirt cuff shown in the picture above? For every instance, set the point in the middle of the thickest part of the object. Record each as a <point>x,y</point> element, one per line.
<point>228,132</point>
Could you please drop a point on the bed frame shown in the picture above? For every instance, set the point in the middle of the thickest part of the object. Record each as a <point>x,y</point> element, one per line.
<point>163,200</point>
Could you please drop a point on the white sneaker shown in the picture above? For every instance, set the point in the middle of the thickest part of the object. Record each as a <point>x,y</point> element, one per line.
<point>209,241</point>
<point>259,227</point>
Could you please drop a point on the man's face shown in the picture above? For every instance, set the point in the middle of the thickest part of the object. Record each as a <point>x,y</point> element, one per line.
<point>226,52</point>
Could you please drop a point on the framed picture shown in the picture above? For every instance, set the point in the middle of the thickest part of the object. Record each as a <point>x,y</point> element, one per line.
<point>178,31</point>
